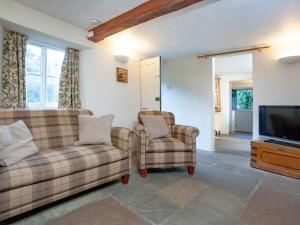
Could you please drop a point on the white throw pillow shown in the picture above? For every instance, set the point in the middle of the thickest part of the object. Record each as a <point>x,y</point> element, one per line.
<point>16,143</point>
<point>5,137</point>
<point>94,129</point>
<point>156,125</point>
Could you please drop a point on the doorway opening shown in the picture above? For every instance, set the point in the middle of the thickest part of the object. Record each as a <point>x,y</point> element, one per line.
<point>233,116</point>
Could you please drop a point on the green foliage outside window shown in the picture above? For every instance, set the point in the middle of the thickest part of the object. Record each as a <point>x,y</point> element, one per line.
<point>242,99</point>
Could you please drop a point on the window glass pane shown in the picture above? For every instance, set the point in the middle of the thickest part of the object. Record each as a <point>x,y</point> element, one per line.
<point>54,62</point>
<point>234,99</point>
<point>33,88</point>
<point>244,99</point>
<point>33,59</point>
<point>52,89</point>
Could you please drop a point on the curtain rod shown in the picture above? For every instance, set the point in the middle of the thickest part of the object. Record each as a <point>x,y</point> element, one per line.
<point>258,48</point>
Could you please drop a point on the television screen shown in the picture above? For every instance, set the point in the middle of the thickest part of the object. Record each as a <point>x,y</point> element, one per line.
<point>280,122</point>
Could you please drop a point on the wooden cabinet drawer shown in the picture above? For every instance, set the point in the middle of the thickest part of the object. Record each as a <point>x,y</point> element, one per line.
<point>276,158</point>
<point>292,161</point>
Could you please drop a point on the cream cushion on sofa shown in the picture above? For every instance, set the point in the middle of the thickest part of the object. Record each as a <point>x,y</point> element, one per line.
<point>94,129</point>
<point>16,143</point>
<point>156,125</point>
<point>5,137</point>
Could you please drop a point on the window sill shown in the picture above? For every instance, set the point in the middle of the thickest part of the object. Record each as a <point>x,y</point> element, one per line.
<point>52,106</point>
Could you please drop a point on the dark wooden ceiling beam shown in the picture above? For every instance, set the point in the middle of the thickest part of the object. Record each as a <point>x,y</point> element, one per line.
<point>140,14</point>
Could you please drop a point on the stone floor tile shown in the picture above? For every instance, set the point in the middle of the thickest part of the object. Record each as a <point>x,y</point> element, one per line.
<point>282,182</point>
<point>270,206</point>
<point>227,180</point>
<point>108,211</point>
<point>183,191</point>
<point>155,209</point>
<point>250,172</point>
<point>222,201</point>
<point>201,215</point>
<point>35,219</point>
<point>225,166</point>
<point>163,178</point>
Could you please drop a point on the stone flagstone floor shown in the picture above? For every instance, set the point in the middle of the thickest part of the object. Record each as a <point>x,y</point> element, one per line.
<point>223,191</point>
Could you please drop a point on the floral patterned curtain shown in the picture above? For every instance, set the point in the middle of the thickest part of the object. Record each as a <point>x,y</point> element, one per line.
<point>69,96</point>
<point>13,91</point>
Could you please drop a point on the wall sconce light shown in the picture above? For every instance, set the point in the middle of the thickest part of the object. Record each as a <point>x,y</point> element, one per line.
<point>121,58</point>
<point>290,59</point>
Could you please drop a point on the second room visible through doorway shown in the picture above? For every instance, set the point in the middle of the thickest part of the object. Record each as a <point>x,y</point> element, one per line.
<point>233,102</point>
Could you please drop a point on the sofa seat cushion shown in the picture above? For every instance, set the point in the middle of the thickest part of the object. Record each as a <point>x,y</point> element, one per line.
<point>59,162</point>
<point>167,145</point>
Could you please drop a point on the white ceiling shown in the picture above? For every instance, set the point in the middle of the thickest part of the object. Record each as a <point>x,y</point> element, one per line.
<point>210,26</point>
<point>233,65</point>
<point>80,12</point>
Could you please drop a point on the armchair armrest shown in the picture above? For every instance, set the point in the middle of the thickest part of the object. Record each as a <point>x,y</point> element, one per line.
<point>186,134</point>
<point>143,133</point>
<point>143,136</point>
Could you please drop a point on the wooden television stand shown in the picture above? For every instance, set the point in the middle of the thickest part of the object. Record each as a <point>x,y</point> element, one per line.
<point>276,158</point>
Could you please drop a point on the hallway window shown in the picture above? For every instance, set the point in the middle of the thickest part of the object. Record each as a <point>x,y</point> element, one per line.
<point>242,99</point>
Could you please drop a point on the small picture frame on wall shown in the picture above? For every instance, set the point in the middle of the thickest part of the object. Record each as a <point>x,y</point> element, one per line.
<point>122,75</point>
<point>217,95</point>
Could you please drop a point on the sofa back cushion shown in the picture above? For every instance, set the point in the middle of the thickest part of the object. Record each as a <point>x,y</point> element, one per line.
<point>49,128</point>
<point>168,116</point>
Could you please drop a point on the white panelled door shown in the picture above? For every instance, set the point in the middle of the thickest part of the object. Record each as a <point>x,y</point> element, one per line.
<point>150,84</point>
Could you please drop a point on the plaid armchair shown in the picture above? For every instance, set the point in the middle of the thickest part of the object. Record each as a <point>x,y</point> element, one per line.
<point>175,151</point>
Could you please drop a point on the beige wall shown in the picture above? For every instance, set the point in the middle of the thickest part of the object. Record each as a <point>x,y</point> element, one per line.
<point>242,84</point>
<point>15,13</point>
<point>224,117</point>
<point>187,92</point>
<point>99,90</point>
<point>274,83</point>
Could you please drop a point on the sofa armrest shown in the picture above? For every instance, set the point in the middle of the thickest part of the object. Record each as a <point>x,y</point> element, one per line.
<point>123,139</point>
<point>186,134</point>
<point>143,136</point>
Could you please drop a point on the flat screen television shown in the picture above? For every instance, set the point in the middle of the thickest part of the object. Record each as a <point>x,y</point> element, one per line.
<point>280,123</point>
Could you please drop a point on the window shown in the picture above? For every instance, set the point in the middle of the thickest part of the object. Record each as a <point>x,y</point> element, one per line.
<point>242,99</point>
<point>43,67</point>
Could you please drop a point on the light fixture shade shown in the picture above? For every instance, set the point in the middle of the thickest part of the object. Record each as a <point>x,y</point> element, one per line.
<point>121,58</point>
<point>290,59</point>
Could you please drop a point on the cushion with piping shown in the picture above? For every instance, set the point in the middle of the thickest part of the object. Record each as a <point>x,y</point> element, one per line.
<point>16,143</point>
<point>94,129</point>
<point>156,125</point>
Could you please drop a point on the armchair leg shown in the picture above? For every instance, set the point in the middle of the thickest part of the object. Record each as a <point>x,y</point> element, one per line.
<point>143,172</point>
<point>191,170</point>
<point>125,179</point>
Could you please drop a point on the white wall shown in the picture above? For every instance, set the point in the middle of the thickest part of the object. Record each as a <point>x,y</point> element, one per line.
<point>243,120</point>
<point>187,86</point>
<point>226,99</point>
<point>16,13</point>
<point>242,84</point>
<point>99,90</point>
<point>275,83</point>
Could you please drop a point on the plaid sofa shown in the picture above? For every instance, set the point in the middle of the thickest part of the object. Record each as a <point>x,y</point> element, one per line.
<point>59,169</point>
<point>175,151</point>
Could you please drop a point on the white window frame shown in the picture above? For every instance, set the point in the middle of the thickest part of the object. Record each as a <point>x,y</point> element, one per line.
<point>43,104</point>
